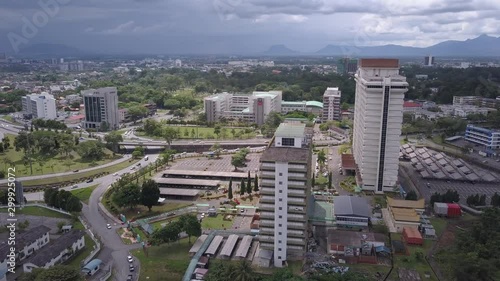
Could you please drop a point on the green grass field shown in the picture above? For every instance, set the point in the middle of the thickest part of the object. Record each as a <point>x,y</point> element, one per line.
<point>84,193</point>
<point>37,211</point>
<point>142,211</point>
<point>76,176</point>
<point>217,222</point>
<point>206,133</point>
<point>167,262</point>
<point>411,261</point>
<point>8,118</point>
<point>57,164</point>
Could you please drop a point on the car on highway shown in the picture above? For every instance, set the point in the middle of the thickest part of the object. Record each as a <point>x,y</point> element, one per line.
<point>74,186</point>
<point>138,164</point>
<point>76,171</point>
<point>89,180</point>
<point>146,158</point>
<point>130,259</point>
<point>108,226</point>
<point>115,174</point>
<point>133,168</point>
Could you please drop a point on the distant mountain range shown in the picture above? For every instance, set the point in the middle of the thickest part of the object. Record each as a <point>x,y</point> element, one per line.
<point>483,45</point>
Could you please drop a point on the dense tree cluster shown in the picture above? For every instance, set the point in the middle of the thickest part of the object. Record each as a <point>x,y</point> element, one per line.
<point>11,100</point>
<point>239,159</point>
<point>62,199</point>
<point>451,196</point>
<point>55,273</point>
<point>187,223</point>
<point>52,124</point>
<point>476,200</point>
<point>474,255</point>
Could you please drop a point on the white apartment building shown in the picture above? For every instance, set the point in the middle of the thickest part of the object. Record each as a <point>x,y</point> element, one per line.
<point>285,170</point>
<point>42,106</point>
<point>101,107</point>
<point>487,138</point>
<point>378,116</point>
<point>252,108</point>
<point>331,105</point>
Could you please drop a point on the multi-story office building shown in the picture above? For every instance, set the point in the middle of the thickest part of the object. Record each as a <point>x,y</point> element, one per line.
<point>347,65</point>
<point>285,170</point>
<point>331,105</point>
<point>487,138</point>
<point>429,60</point>
<point>252,108</point>
<point>101,108</point>
<point>476,100</point>
<point>378,115</point>
<point>42,106</point>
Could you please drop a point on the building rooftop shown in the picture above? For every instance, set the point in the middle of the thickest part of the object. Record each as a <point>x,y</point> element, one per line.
<point>179,191</point>
<point>351,206</point>
<point>314,104</point>
<point>398,203</point>
<point>353,238</point>
<point>177,181</point>
<point>285,154</point>
<point>290,130</point>
<point>25,239</point>
<point>332,91</point>
<point>49,252</point>
<point>207,173</point>
<point>379,63</point>
<point>92,265</point>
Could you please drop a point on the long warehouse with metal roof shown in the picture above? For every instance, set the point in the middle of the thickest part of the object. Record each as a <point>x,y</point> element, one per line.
<point>228,248</point>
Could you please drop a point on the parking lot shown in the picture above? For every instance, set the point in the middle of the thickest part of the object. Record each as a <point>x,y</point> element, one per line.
<point>223,164</point>
<point>441,186</point>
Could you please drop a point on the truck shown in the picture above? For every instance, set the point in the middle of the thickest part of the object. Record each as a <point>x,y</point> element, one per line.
<point>440,209</point>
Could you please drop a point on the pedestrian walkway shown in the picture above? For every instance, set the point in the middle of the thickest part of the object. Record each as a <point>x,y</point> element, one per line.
<point>388,220</point>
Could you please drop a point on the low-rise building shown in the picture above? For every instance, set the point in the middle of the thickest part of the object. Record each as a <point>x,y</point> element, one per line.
<point>488,138</point>
<point>405,213</point>
<point>353,243</point>
<point>59,251</point>
<point>351,211</point>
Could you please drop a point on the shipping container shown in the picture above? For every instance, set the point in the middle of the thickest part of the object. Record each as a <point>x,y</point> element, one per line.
<point>454,210</point>
<point>412,236</point>
<point>441,209</point>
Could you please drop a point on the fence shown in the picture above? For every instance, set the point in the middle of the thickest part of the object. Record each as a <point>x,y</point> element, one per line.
<point>41,206</point>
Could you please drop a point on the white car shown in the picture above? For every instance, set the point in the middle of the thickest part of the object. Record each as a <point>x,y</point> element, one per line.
<point>130,258</point>
<point>108,226</point>
<point>202,215</point>
<point>115,174</point>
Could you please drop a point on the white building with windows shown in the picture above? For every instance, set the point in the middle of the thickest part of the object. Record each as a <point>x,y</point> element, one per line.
<point>487,138</point>
<point>331,105</point>
<point>285,171</point>
<point>42,106</point>
<point>378,116</point>
<point>101,107</point>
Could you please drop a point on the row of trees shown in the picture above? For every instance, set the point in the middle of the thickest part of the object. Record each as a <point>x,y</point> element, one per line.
<point>52,124</point>
<point>187,223</point>
<point>480,200</point>
<point>62,199</point>
<point>244,188</point>
<point>451,196</point>
<point>58,272</point>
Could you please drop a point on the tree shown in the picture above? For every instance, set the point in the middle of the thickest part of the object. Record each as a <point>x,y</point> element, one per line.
<point>249,184</point>
<point>242,187</point>
<point>91,150</point>
<point>150,193</point>
<point>313,180</point>
<point>113,139</point>
<point>167,156</point>
<point>169,134</point>
<point>6,143</point>
<point>482,200</point>
<point>193,133</point>
<point>256,183</point>
<point>191,225</point>
<point>216,149</point>
<point>243,272</point>
<point>217,130</point>
<point>321,157</point>
<point>73,205</point>
<point>237,160</point>
<point>411,195</point>
<point>138,152</point>
<point>495,200</point>
<point>127,196</point>
<point>137,112</point>
<point>230,189</point>
<point>330,180</point>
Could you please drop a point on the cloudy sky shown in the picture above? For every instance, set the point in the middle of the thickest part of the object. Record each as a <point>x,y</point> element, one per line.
<point>240,26</point>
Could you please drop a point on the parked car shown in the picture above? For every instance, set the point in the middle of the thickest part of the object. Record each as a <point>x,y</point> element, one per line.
<point>131,268</point>
<point>130,258</point>
<point>74,186</point>
<point>129,277</point>
<point>108,226</point>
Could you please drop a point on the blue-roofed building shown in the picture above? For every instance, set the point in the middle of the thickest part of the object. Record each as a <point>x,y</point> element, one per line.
<point>92,267</point>
<point>489,139</point>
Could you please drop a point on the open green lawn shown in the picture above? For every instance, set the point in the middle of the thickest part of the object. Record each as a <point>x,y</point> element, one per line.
<point>206,133</point>
<point>167,262</point>
<point>439,225</point>
<point>52,165</point>
<point>157,225</point>
<point>8,118</point>
<point>84,193</point>
<point>76,176</point>
<point>411,262</point>
<point>217,222</point>
<point>37,211</point>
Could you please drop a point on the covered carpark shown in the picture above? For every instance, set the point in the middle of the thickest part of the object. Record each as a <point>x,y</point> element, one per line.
<point>179,193</point>
<point>187,183</point>
<point>214,246</point>
<point>206,175</point>
<point>244,247</point>
<point>228,248</point>
<point>197,245</point>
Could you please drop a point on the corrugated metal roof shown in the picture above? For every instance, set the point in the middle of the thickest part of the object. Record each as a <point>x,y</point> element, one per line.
<point>228,248</point>
<point>351,206</point>
<point>214,246</point>
<point>244,246</point>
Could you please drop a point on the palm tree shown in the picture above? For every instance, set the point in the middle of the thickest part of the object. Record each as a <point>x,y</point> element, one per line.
<point>243,272</point>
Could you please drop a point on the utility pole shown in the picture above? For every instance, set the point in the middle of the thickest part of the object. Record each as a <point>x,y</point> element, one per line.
<point>29,152</point>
